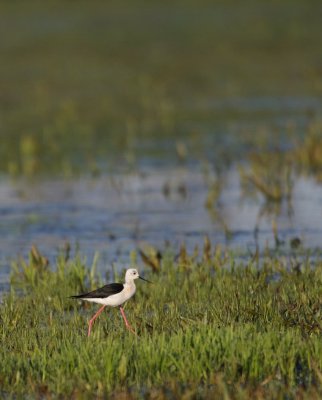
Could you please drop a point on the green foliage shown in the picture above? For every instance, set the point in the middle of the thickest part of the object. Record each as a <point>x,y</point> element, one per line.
<point>220,326</point>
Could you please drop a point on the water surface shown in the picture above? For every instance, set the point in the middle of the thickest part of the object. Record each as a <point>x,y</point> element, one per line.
<point>117,213</point>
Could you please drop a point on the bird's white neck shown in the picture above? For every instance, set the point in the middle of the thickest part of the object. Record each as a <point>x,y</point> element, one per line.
<point>129,288</point>
<point>129,283</point>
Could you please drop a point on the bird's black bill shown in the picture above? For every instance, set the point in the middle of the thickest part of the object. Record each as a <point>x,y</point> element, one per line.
<point>145,279</point>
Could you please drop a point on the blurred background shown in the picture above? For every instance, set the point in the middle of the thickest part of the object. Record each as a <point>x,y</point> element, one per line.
<point>149,124</point>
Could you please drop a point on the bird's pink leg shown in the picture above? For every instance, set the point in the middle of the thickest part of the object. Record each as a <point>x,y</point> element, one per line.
<point>93,319</point>
<point>126,322</point>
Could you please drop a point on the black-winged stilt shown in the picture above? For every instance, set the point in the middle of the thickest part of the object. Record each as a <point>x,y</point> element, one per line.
<point>113,295</point>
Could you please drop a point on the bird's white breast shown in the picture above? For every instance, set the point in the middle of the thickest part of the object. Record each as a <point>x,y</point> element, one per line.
<point>128,291</point>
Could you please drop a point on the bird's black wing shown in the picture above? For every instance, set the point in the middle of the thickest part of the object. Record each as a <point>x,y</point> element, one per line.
<point>105,291</point>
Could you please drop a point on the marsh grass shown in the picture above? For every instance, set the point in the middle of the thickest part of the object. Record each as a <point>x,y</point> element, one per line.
<point>133,76</point>
<point>203,329</point>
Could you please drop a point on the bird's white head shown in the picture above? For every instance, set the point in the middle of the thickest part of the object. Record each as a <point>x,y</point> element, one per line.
<point>131,274</point>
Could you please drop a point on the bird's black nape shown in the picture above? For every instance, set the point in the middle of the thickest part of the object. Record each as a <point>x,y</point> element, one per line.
<point>140,277</point>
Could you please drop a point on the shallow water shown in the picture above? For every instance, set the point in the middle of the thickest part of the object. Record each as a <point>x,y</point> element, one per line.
<point>115,214</point>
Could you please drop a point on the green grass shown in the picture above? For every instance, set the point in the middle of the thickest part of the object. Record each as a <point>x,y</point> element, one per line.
<point>218,327</point>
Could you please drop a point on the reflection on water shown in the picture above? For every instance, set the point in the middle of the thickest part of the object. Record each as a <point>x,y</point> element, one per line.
<point>116,214</point>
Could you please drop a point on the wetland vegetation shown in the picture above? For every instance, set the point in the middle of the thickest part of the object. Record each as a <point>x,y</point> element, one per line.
<point>223,78</point>
<point>208,327</point>
<point>122,126</point>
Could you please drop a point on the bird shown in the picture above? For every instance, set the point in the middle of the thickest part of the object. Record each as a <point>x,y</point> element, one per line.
<point>113,295</point>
